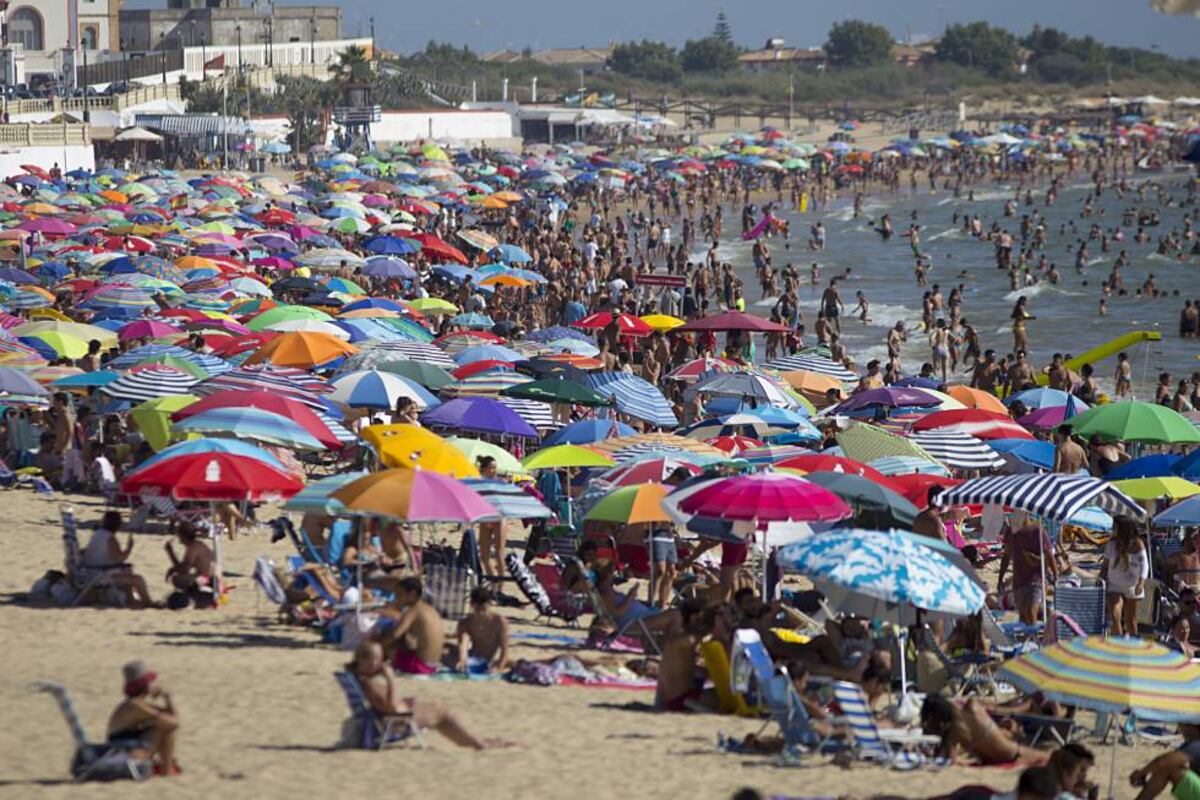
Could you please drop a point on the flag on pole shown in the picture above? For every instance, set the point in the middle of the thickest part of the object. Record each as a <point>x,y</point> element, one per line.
<point>218,62</point>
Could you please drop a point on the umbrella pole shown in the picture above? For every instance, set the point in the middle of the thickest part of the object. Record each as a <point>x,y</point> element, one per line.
<point>1045,602</point>
<point>902,638</point>
<point>1112,769</point>
<point>217,568</point>
<point>764,565</point>
<point>650,553</point>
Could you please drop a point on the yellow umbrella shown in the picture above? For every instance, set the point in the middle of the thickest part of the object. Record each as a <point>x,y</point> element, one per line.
<point>662,322</point>
<point>1169,486</point>
<point>412,446</point>
<point>565,456</point>
<point>78,330</point>
<point>49,313</point>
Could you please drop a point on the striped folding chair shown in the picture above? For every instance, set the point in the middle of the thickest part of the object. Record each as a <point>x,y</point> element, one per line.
<point>446,588</point>
<point>378,731</point>
<point>1079,610</point>
<point>92,760</point>
<point>894,747</point>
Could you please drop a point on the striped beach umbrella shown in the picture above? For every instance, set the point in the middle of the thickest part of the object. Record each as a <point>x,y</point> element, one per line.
<point>317,496</point>
<point>253,424</point>
<point>415,351</point>
<point>958,450</point>
<point>1052,496</point>
<point>509,500</point>
<point>538,414</point>
<point>813,363</point>
<point>489,383</point>
<point>375,389</point>
<point>148,383</point>
<point>635,397</point>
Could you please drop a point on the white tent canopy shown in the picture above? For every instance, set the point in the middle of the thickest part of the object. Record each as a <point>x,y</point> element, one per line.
<point>137,134</point>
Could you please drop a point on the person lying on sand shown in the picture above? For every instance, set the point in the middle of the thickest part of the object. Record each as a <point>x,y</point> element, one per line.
<point>482,636</point>
<point>139,717</point>
<point>969,733</point>
<point>380,688</point>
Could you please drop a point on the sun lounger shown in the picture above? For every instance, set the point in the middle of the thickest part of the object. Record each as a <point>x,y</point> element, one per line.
<point>1079,610</point>
<point>378,731</point>
<point>635,626</point>
<point>87,580</point>
<point>96,761</point>
<point>891,746</point>
<point>1041,726</point>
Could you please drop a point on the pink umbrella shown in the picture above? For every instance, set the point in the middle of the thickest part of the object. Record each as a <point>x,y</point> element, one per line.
<point>146,328</point>
<point>227,325</point>
<point>1049,417</point>
<point>766,497</point>
<point>220,238</point>
<point>273,262</point>
<point>301,232</point>
<point>53,227</point>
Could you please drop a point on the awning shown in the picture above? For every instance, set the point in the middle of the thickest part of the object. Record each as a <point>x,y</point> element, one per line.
<point>193,124</point>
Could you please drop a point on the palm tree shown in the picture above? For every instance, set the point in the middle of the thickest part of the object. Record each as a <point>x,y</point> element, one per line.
<point>351,67</point>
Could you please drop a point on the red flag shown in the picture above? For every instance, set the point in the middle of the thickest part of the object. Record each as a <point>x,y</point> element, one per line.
<point>215,63</point>
<point>179,201</point>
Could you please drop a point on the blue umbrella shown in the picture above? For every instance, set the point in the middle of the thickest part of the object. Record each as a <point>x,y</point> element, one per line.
<point>1155,466</point>
<point>1035,399</point>
<point>487,352</point>
<point>472,320</point>
<point>875,575</point>
<point>586,431</point>
<point>1188,466</point>
<point>1033,452</point>
<point>253,424</point>
<point>390,245</point>
<point>14,275</point>
<point>510,254</point>
<point>635,397</point>
<point>14,381</point>
<point>1182,514</point>
<point>86,380</point>
<point>233,446</point>
<point>388,267</point>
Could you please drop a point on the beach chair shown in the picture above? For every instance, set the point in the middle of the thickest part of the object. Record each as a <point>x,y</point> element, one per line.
<point>378,731</point>
<point>893,747</point>
<point>86,580</point>
<point>635,627</point>
<point>719,672</point>
<point>970,673</point>
<point>1041,726</point>
<point>97,761</point>
<point>264,578</point>
<point>1079,610</point>
<point>785,708</point>
<point>446,588</point>
<point>749,659</point>
<point>534,588</point>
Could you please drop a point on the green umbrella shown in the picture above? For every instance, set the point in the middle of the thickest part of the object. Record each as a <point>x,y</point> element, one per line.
<point>876,506</point>
<point>631,505</point>
<point>1135,422</point>
<point>431,376</point>
<point>153,418</point>
<point>566,456</point>
<point>558,390</point>
<point>473,449</point>
<point>285,314</point>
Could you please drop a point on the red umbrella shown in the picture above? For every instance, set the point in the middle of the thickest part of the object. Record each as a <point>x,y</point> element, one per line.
<point>433,246</point>
<point>467,370</point>
<point>131,244</point>
<point>824,463</point>
<point>734,321</point>
<point>294,410</point>
<point>483,336</point>
<point>212,476</point>
<point>235,345</point>
<point>629,325</point>
<point>915,487</point>
<point>33,169</point>
<point>733,444</point>
<point>277,216</point>
<point>974,422</point>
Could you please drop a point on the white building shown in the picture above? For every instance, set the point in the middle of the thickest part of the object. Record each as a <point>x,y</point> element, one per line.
<point>40,29</point>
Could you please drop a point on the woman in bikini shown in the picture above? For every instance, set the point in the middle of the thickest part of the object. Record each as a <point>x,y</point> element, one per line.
<point>969,732</point>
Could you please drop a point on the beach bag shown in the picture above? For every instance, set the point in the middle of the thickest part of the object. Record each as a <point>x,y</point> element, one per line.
<point>534,674</point>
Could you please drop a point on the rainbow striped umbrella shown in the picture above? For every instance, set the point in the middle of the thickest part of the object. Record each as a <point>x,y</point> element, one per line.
<point>1113,674</point>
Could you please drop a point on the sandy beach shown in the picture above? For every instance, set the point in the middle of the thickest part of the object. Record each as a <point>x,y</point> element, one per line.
<point>261,712</point>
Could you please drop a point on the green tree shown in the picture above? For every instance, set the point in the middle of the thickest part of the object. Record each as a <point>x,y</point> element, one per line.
<point>708,55</point>
<point>979,46</point>
<point>653,61</point>
<point>721,29</point>
<point>352,66</point>
<point>856,43</point>
<point>303,99</point>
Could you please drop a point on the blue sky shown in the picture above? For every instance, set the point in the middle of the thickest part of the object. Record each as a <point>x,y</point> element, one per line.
<point>406,25</point>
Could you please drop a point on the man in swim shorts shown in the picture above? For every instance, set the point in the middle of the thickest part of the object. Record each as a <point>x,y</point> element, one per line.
<point>416,639</point>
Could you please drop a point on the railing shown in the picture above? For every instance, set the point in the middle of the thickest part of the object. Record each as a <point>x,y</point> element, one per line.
<point>280,56</point>
<point>130,67</point>
<point>118,102</point>
<point>44,134</point>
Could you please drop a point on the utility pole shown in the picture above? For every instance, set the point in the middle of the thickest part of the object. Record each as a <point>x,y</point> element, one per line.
<point>239,47</point>
<point>162,53</point>
<point>225,123</point>
<point>312,42</point>
<point>87,113</point>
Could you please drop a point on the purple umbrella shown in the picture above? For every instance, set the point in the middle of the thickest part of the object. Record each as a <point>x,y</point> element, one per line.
<point>888,396</point>
<point>479,415</point>
<point>55,227</point>
<point>14,275</point>
<point>1048,417</point>
<point>388,267</point>
<point>918,382</point>
<point>272,241</point>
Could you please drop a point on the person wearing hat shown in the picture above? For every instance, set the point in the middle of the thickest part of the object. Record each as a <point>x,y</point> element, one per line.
<point>147,714</point>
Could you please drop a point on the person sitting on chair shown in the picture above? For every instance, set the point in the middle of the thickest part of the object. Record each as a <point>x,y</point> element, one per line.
<point>103,552</point>
<point>138,717</point>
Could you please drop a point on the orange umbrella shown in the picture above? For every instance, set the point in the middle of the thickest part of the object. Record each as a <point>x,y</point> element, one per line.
<point>491,201</point>
<point>114,196</point>
<point>811,382</point>
<point>508,197</point>
<point>976,398</point>
<point>197,262</point>
<point>582,362</point>
<point>303,349</point>
<point>368,313</point>
<point>506,280</point>
<point>632,505</point>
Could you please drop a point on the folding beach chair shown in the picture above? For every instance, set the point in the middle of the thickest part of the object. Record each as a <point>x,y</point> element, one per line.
<point>97,761</point>
<point>632,627</point>
<point>785,708</point>
<point>749,659</point>
<point>1079,610</point>
<point>529,580</point>
<point>970,673</point>
<point>264,578</point>
<point>86,580</point>
<point>1041,726</point>
<point>378,731</point>
<point>891,746</point>
<point>446,588</point>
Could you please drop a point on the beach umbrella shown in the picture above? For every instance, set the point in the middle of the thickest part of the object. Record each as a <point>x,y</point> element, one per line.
<point>474,449</point>
<point>558,390</point>
<point>1113,675</point>
<point>1135,422</point>
<point>813,363</point>
<point>875,505</point>
<point>812,383</point>
<point>378,389</point>
<point>203,445</point>
<point>510,500</point>
<point>253,424</point>
<point>586,431</point>
<point>17,382</point>
<point>904,465</point>
<point>212,476</point>
<point>1153,466</point>
<point>766,497</point>
<point>1166,487</point>
<point>485,383</point>
<point>635,397</point>
<point>1188,466</point>
<point>414,496</point>
<point>479,415</point>
<point>734,321</point>
<point>1032,453</point>
<point>915,487</point>
<point>973,421</point>
<point>662,322</point>
<point>878,575</point>
<point>430,376</point>
<point>1052,496</point>
<point>866,443</point>
<point>976,398</point>
<point>654,469</point>
<point>147,383</point>
<point>631,505</point>
<point>1035,399</point>
<point>566,456</point>
<point>627,324</point>
<point>487,352</point>
<point>820,462</point>
<point>85,380</point>
<point>272,401</point>
<point>412,446</point>
<point>153,418</point>
<point>302,349</point>
<point>958,450</point>
<point>745,385</point>
<point>887,397</point>
<point>1046,418</point>
<point>1182,514</point>
<point>316,497</point>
